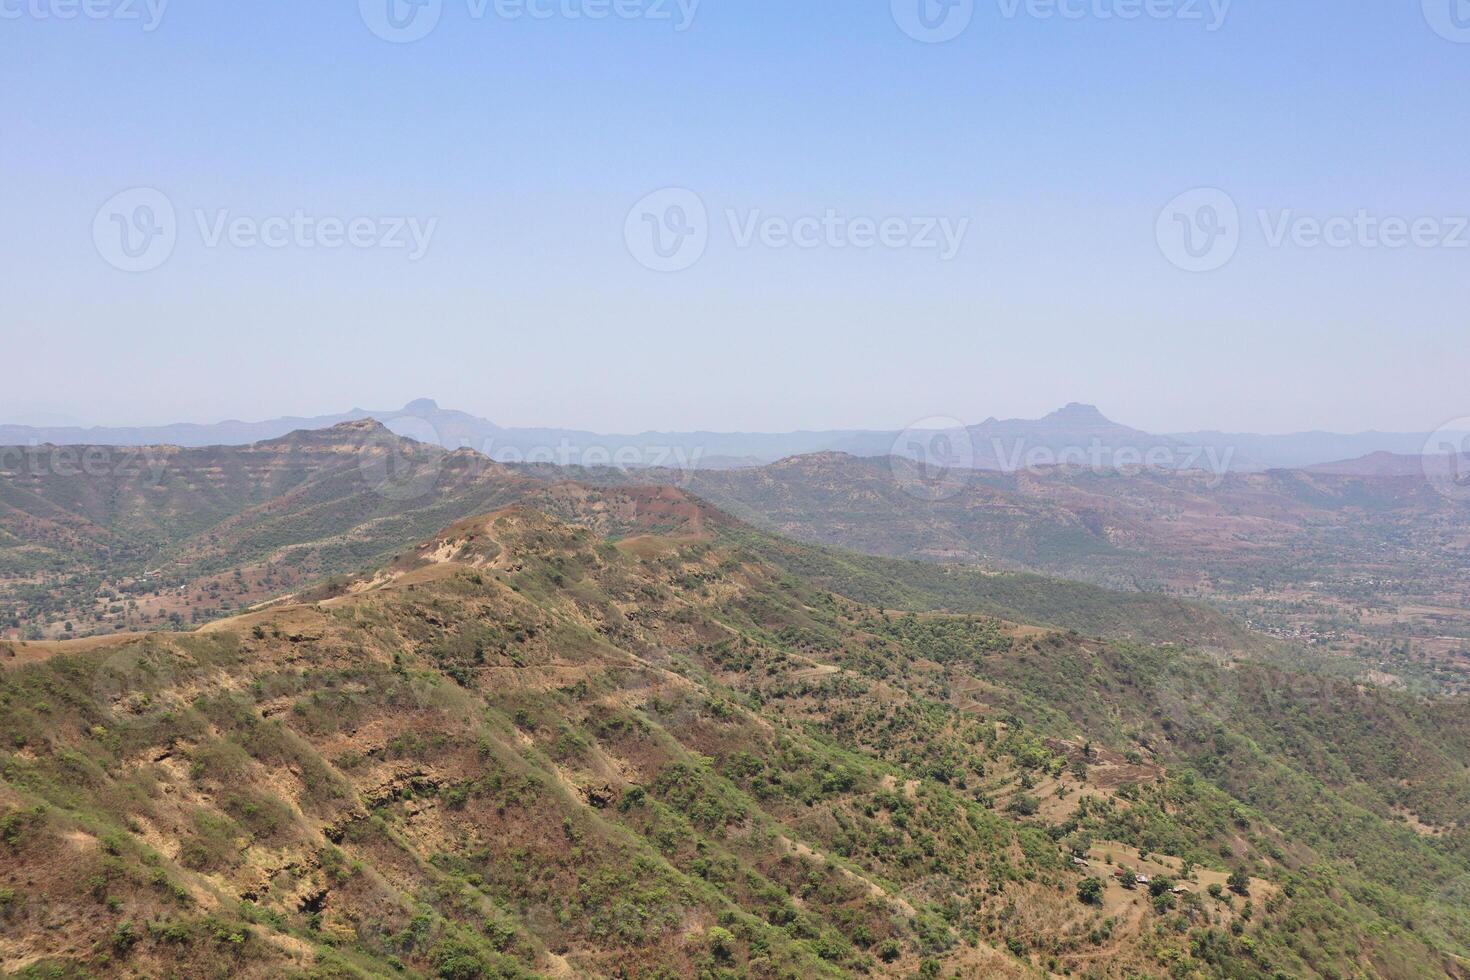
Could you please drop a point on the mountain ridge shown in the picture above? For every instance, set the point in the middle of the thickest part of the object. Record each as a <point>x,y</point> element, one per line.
<point>1075,427</point>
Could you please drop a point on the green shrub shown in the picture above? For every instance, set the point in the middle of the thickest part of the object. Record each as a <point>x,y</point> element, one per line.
<point>1090,891</point>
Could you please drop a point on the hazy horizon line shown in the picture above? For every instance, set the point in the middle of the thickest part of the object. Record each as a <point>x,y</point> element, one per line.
<point>62,420</point>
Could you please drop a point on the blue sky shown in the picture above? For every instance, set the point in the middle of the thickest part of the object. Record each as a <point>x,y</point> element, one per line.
<point>524,144</point>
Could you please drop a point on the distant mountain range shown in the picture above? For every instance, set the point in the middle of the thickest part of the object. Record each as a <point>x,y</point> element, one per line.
<point>1077,434</point>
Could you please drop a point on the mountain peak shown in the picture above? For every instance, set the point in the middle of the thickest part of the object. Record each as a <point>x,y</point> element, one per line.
<point>421,407</point>
<point>1078,412</point>
<point>357,425</point>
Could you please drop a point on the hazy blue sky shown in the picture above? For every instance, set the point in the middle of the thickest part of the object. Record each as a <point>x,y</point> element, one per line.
<point>1060,140</point>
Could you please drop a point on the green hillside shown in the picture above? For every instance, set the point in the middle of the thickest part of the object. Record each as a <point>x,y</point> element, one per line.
<point>523,749</point>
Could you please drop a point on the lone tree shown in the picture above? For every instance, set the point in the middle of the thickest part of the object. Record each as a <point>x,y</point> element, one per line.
<point>1239,882</point>
<point>1090,891</point>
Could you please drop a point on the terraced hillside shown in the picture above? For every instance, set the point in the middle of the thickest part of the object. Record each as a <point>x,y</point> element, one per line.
<point>528,747</point>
